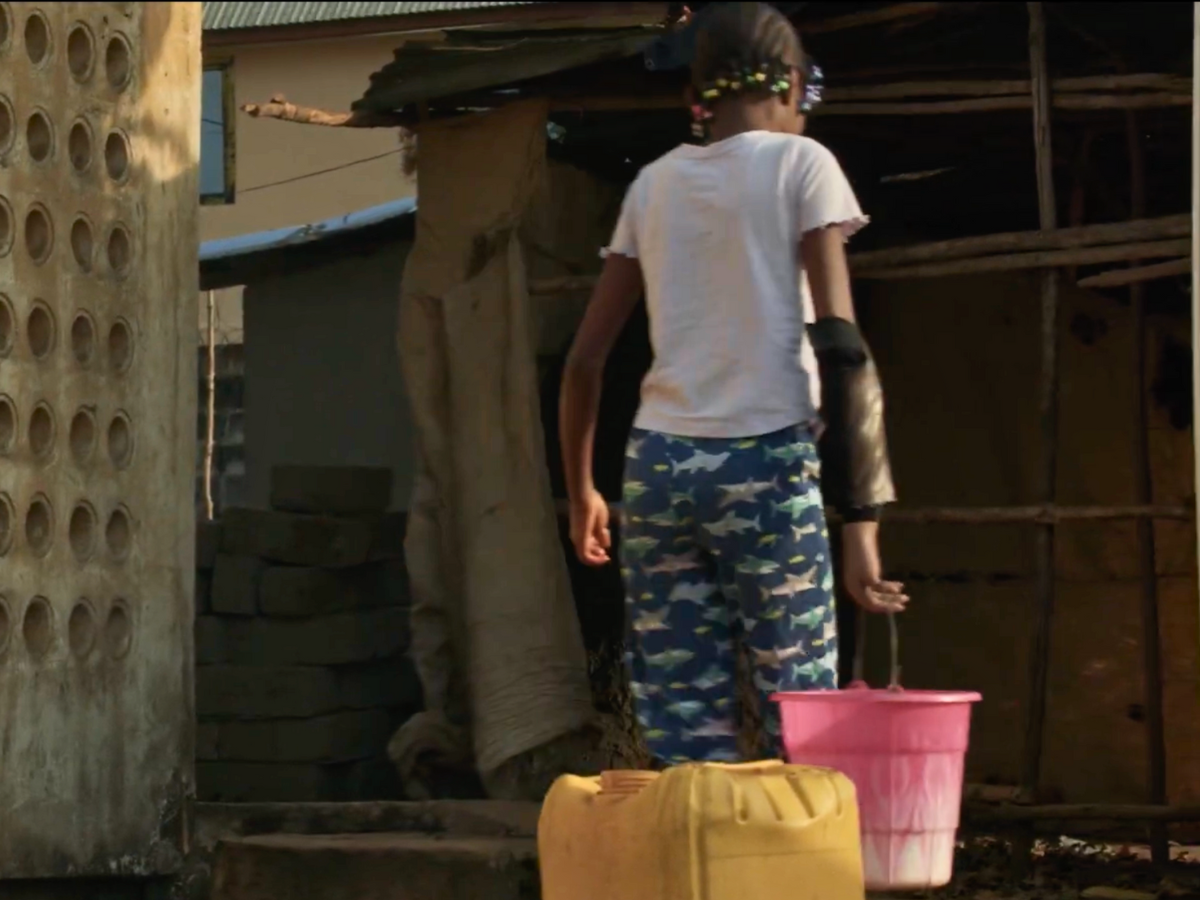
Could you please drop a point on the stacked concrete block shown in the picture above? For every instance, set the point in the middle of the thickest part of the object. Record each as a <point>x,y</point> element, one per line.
<point>301,641</point>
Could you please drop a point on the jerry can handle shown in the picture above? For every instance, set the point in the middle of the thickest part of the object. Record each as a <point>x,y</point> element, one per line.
<point>860,651</point>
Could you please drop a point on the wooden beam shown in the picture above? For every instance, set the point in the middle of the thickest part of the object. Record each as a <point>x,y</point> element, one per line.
<point>893,13</point>
<point>978,813</point>
<point>1179,226</point>
<point>907,90</point>
<point>1002,515</point>
<point>1038,515</point>
<point>1156,100</point>
<point>1120,277</point>
<point>1031,754</point>
<point>1082,256</point>
<point>981,96</point>
<point>279,108</point>
<point>996,262</point>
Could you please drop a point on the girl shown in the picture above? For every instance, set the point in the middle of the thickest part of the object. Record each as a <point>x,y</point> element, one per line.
<point>723,539</point>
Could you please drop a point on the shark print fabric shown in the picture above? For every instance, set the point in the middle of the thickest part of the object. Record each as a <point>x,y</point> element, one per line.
<point>723,546</point>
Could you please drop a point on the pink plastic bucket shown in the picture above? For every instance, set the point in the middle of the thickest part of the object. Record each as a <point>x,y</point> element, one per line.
<point>904,752</point>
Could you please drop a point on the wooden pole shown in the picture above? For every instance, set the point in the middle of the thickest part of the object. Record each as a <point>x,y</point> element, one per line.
<point>1156,750</point>
<point>1118,277</point>
<point>1035,713</point>
<point>1043,259</point>
<point>1000,515</point>
<point>892,13</point>
<point>997,262</point>
<point>981,813</point>
<point>1196,250</point>
<point>958,88</point>
<point>1084,236</point>
<point>210,425</point>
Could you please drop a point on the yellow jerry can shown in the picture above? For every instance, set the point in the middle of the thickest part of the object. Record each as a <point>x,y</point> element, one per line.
<point>754,831</point>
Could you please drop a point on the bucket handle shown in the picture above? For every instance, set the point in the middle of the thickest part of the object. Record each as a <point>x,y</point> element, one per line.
<point>860,651</point>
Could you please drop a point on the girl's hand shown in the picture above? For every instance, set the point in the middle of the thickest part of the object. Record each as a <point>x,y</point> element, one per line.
<point>589,529</point>
<point>863,573</point>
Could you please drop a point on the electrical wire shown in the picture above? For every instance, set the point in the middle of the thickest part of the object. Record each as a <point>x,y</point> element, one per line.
<point>306,175</point>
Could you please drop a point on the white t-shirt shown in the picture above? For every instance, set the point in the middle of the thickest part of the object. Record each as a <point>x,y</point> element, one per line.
<point>717,232</point>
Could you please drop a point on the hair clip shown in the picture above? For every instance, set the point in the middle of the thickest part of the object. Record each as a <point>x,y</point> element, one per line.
<point>814,84</point>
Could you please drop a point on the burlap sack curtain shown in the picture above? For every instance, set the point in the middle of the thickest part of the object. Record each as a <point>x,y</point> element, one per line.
<point>495,635</point>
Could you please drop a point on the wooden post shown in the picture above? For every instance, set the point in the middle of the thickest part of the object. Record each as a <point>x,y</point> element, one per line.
<point>210,425</point>
<point>1035,712</point>
<point>1156,750</point>
<point>1196,245</point>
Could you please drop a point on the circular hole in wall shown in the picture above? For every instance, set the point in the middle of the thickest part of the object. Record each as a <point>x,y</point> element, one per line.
<point>120,250</point>
<point>40,330</point>
<point>82,436</point>
<point>5,25</point>
<point>116,156</point>
<point>8,424</point>
<point>83,338</point>
<point>117,65</point>
<point>39,526</point>
<point>37,38</point>
<point>81,629</point>
<point>41,431</point>
<point>79,146</point>
<point>8,124</point>
<point>81,52</point>
<point>118,534</point>
<point>120,346</point>
<point>81,531</point>
<point>39,136</point>
<point>6,227</point>
<point>39,233</point>
<point>38,627</point>
<point>82,245</point>
<point>118,631</point>
<point>120,441</point>
<point>8,516</point>
<point>8,326</point>
<point>5,625</point>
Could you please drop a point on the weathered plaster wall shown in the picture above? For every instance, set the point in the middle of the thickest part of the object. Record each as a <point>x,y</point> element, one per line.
<point>322,374</point>
<point>99,147</point>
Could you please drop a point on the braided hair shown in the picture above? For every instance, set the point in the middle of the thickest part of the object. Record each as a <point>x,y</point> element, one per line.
<point>748,48</point>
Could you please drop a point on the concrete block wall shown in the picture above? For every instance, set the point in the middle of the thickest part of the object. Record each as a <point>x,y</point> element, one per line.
<point>302,615</point>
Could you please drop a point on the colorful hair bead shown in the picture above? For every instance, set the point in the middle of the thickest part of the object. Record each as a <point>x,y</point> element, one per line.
<point>814,84</point>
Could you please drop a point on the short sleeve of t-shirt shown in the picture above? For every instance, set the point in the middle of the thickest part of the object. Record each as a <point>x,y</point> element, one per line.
<point>624,239</point>
<point>822,191</point>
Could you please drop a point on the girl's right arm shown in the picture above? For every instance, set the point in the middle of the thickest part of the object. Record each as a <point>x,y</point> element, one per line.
<point>616,294</point>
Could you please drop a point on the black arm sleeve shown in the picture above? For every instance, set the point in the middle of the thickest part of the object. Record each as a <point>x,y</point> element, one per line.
<point>856,475</point>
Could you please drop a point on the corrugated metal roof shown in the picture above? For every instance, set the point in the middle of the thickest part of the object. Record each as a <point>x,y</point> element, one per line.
<point>469,63</point>
<point>293,235</point>
<point>222,15</point>
<point>226,262</point>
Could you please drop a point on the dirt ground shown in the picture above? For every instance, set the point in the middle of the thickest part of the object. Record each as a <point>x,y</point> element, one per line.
<point>1070,870</point>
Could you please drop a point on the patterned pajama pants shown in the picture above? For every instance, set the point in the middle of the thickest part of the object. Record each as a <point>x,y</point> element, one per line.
<point>723,546</point>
